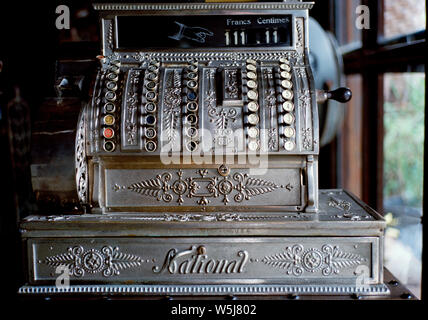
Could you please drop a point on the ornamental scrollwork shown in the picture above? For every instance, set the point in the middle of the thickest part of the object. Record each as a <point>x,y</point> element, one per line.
<point>81,165</point>
<point>295,260</point>
<point>203,187</point>
<point>108,261</point>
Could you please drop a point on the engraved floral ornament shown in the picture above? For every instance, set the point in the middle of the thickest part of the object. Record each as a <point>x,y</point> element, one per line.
<point>108,261</point>
<point>162,188</point>
<point>329,259</point>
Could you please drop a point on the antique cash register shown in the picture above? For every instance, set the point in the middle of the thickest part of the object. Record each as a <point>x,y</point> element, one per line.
<point>196,165</point>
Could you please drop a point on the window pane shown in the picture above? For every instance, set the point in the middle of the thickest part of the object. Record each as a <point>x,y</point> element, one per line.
<point>346,30</point>
<point>403,17</point>
<point>351,137</point>
<point>404,106</point>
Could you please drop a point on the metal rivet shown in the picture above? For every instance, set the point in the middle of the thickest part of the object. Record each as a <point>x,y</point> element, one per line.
<point>284,60</point>
<point>223,170</point>
<point>201,250</point>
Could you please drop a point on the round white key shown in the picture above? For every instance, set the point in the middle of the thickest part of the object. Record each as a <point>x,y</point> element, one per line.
<point>253,119</point>
<point>286,75</point>
<point>289,132</point>
<point>253,95</point>
<point>287,94</point>
<point>253,145</point>
<point>289,145</point>
<point>251,75</point>
<point>253,132</point>
<point>286,84</point>
<point>288,106</point>
<point>251,67</point>
<point>288,118</point>
<point>285,67</point>
<point>251,84</point>
<point>253,106</point>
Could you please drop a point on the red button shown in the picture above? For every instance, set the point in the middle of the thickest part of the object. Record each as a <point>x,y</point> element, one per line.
<point>108,133</point>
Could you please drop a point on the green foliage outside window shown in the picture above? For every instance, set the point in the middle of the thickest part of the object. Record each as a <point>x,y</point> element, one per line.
<point>404,137</point>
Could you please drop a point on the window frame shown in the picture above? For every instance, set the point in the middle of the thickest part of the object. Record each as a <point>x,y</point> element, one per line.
<point>372,58</point>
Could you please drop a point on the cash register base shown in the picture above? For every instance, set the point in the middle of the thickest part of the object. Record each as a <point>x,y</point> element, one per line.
<point>338,250</point>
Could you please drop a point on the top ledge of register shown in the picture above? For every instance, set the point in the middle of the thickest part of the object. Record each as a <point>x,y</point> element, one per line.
<point>287,5</point>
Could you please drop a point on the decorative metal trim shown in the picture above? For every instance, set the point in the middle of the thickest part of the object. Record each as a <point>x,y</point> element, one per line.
<point>247,289</point>
<point>108,261</point>
<point>172,104</point>
<point>344,206</point>
<point>130,105</point>
<point>270,99</point>
<point>207,56</point>
<point>81,166</point>
<point>160,187</point>
<point>295,259</point>
<point>204,6</point>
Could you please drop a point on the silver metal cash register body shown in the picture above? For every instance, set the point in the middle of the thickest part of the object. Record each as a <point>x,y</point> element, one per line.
<point>196,163</point>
